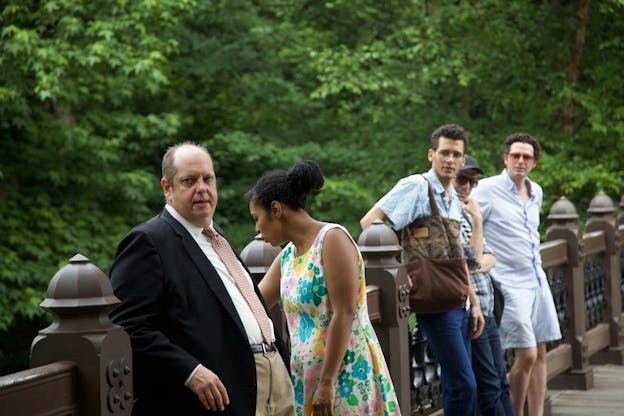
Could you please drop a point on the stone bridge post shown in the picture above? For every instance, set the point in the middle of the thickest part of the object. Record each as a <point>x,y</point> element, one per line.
<point>80,297</point>
<point>380,248</point>
<point>562,220</point>
<point>602,218</point>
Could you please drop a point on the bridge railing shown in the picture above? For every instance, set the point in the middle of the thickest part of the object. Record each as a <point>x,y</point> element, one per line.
<point>49,389</point>
<point>82,362</point>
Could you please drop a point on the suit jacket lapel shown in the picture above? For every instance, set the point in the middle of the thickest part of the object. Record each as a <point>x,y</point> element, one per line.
<point>204,267</point>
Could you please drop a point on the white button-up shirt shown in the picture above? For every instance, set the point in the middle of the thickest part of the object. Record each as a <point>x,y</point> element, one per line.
<point>510,227</point>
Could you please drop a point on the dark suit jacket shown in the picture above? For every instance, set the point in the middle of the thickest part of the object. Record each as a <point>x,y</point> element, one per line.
<point>178,314</point>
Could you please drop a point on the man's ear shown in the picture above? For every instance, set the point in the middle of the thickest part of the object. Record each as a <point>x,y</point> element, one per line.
<point>166,187</point>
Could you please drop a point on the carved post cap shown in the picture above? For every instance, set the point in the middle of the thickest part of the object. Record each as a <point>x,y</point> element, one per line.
<point>562,216</point>
<point>79,285</point>
<point>378,240</point>
<point>258,256</point>
<point>601,205</point>
<point>563,211</point>
<point>601,210</point>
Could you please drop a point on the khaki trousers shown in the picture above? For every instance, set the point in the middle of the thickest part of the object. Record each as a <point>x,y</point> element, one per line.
<point>275,394</point>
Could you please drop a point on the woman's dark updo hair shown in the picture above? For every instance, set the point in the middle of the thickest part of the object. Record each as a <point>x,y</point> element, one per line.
<point>290,187</point>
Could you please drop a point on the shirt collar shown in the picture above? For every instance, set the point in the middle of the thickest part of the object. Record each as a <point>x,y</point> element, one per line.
<point>194,230</point>
<point>512,186</point>
<point>437,185</point>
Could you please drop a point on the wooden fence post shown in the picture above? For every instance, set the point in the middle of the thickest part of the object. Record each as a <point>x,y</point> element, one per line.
<point>602,209</point>
<point>380,247</point>
<point>80,297</point>
<point>562,226</point>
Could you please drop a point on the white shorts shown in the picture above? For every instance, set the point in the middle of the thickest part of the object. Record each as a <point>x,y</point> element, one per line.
<point>529,317</point>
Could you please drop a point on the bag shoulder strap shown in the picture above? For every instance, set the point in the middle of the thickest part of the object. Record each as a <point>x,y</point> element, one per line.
<point>435,212</point>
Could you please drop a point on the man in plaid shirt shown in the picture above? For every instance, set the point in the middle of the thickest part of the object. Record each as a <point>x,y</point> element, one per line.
<point>488,362</point>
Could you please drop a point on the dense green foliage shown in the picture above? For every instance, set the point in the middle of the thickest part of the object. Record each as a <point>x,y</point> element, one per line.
<point>92,93</point>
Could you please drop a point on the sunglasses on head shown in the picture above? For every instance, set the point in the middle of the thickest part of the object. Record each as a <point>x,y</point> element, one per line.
<point>463,180</point>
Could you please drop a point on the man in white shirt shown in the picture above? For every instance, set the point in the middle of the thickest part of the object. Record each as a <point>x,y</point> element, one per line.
<point>510,207</point>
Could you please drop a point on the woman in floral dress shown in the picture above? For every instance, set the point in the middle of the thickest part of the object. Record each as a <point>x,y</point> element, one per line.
<point>337,365</point>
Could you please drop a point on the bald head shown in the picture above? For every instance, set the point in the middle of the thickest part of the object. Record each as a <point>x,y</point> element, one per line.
<point>169,166</point>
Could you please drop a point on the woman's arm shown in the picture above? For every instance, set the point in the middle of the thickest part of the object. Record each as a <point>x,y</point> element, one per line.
<point>340,265</point>
<point>270,284</point>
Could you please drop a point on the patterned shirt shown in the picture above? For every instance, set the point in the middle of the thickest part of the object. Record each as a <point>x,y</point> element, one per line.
<point>481,282</point>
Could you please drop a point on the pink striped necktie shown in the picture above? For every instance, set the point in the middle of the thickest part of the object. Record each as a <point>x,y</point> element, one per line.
<point>224,250</point>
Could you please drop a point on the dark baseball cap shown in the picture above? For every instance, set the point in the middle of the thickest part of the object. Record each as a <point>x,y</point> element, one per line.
<point>471,163</point>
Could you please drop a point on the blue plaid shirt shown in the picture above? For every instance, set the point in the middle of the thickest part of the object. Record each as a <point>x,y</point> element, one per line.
<point>481,282</point>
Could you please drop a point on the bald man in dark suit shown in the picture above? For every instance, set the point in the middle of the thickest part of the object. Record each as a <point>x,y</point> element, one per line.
<point>197,346</point>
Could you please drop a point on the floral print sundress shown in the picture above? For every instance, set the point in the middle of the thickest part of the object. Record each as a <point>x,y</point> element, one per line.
<point>363,386</point>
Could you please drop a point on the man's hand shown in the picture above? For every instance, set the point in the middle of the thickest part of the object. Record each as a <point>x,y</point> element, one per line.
<point>209,389</point>
<point>476,320</point>
<point>472,207</point>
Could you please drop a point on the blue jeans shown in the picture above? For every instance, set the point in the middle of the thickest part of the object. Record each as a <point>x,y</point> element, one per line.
<point>448,334</point>
<point>488,364</point>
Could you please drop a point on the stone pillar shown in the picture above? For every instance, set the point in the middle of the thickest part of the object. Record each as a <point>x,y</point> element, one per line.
<point>380,247</point>
<point>80,298</point>
<point>562,220</point>
<point>258,256</point>
<point>601,210</point>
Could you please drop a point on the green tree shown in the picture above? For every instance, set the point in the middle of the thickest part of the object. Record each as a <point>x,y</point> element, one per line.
<point>92,93</point>
<point>76,124</point>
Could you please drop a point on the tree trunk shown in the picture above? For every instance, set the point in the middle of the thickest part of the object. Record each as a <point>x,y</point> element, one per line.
<point>429,6</point>
<point>575,65</point>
